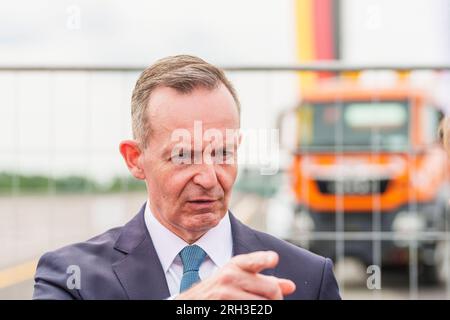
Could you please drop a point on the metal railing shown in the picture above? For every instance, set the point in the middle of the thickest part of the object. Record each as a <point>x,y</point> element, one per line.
<point>125,76</point>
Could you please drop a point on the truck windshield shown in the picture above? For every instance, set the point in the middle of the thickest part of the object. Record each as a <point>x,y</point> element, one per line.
<point>356,125</point>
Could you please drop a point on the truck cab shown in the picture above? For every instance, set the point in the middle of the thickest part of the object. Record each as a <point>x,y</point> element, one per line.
<point>368,163</point>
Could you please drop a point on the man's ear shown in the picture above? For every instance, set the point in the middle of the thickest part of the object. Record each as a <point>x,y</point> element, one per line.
<point>131,153</point>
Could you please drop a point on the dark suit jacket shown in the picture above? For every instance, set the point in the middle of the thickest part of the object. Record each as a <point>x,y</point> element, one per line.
<point>122,264</point>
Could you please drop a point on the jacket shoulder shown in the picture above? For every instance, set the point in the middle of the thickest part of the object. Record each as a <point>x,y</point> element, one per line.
<point>94,250</point>
<point>289,251</point>
<point>57,271</point>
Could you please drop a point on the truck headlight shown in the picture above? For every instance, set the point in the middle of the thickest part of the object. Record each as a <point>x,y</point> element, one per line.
<point>304,227</point>
<point>407,223</point>
<point>304,224</point>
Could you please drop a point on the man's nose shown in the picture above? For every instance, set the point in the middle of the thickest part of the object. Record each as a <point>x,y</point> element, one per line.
<point>206,176</point>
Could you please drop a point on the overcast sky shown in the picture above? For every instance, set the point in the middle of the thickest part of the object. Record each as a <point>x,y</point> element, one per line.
<point>137,32</point>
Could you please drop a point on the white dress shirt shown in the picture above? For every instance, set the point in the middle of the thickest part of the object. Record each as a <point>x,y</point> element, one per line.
<point>216,242</point>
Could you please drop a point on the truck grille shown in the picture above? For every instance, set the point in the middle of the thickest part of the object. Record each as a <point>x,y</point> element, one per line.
<point>353,186</point>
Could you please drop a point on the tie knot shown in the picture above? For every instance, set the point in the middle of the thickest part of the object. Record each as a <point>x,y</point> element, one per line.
<point>192,257</point>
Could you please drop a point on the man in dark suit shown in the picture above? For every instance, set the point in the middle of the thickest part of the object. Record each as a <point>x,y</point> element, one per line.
<point>184,243</point>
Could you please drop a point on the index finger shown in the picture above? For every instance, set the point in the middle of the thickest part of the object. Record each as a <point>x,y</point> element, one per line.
<point>256,261</point>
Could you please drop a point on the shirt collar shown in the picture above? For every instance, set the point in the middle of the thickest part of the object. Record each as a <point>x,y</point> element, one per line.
<point>217,242</point>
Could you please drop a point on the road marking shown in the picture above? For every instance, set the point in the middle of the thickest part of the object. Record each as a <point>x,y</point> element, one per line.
<point>17,273</point>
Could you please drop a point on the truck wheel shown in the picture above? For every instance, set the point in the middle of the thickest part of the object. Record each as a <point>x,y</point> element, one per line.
<point>428,275</point>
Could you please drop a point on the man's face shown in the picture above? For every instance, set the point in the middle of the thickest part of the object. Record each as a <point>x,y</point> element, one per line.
<point>189,163</point>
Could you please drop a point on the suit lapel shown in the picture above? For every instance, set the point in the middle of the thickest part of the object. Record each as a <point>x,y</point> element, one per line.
<point>140,271</point>
<point>245,240</point>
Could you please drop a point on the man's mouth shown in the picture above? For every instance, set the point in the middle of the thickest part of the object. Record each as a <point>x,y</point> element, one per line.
<point>202,204</point>
<point>203,200</point>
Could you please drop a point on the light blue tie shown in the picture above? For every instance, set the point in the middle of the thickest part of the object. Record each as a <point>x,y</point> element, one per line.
<point>192,257</point>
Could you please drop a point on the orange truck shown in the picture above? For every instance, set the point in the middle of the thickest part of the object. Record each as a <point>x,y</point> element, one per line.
<point>368,162</point>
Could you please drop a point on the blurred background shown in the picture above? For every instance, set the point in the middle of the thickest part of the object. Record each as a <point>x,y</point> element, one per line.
<point>341,103</point>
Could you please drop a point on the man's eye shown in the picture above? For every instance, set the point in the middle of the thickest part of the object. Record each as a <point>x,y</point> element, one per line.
<point>181,157</point>
<point>176,156</point>
<point>227,153</point>
<point>224,153</point>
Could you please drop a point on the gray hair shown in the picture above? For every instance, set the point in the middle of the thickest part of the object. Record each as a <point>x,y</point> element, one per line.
<point>183,73</point>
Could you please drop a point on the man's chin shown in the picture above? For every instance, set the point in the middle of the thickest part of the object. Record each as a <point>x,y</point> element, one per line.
<point>203,221</point>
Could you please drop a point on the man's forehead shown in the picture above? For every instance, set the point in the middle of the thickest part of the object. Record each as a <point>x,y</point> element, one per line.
<point>194,126</point>
<point>170,109</point>
<point>216,136</point>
